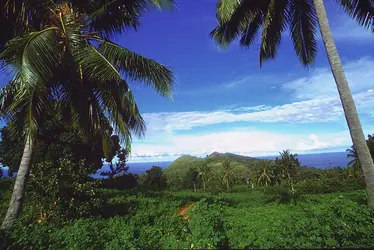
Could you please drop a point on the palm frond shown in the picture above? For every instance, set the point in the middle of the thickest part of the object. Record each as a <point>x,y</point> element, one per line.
<point>19,17</point>
<point>360,10</point>
<point>249,33</point>
<point>352,163</point>
<point>225,8</point>
<point>274,24</point>
<point>139,68</point>
<point>36,56</point>
<point>114,16</point>
<point>231,26</point>
<point>302,20</point>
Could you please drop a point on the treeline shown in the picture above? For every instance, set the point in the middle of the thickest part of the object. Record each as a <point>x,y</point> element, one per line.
<point>212,174</point>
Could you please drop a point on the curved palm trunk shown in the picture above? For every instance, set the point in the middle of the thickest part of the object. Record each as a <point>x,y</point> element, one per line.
<point>16,202</point>
<point>346,98</point>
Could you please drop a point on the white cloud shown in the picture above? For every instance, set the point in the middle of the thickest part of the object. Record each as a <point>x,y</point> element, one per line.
<point>348,29</point>
<point>310,111</point>
<point>244,142</point>
<point>320,83</point>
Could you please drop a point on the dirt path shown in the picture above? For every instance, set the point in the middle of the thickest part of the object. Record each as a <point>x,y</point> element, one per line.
<point>182,212</point>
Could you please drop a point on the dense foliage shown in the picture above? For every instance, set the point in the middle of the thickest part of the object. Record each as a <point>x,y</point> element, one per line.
<point>59,182</point>
<point>56,139</point>
<point>244,217</point>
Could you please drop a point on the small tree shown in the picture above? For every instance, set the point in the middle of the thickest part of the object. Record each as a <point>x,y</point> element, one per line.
<point>119,167</point>
<point>154,178</point>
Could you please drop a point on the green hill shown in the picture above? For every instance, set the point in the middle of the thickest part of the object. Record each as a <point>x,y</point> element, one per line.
<point>233,157</point>
<point>177,173</point>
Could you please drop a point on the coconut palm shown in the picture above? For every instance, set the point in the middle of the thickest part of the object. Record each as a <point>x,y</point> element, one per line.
<point>204,171</point>
<point>354,163</point>
<point>265,177</point>
<point>245,18</point>
<point>227,172</point>
<point>67,55</point>
<point>288,165</point>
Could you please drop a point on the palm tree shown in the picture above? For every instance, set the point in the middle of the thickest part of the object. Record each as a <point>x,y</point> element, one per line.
<point>265,177</point>
<point>205,171</point>
<point>244,19</point>
<point>227,172</point>
<point>67,55</point>
<point>288,165</point>
<point>354,163</point>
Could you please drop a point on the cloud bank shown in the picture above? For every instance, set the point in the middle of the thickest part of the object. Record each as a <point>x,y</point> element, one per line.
<point>315,101</point>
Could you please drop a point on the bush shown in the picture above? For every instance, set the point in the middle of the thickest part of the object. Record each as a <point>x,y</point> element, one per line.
<point>208,224</point>
<point>63,191</point>
<point>154,178</point>
<point>329,185</point>
<point>121,182</point>
<point>339,224</point>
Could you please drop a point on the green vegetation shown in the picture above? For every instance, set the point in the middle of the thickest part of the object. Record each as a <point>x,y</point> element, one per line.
<point>263,217</point>
<point>294,206</point>
<point>69,94</point>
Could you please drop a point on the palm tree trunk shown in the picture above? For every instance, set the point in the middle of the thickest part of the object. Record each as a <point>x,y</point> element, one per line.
<point>16,201</point>
<point>194,187</point>
<point>227,184</point>
<point>346,98</point>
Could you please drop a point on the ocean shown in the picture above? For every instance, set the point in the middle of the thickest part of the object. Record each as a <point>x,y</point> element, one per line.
<point>323,161</point>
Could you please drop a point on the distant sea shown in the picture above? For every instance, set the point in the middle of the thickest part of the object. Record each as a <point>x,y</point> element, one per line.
<point>323,161</point>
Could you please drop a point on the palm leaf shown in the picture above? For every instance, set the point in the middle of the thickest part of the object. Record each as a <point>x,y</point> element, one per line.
<point>274,25</point>
<point>231,26</point>
<point>138,68</point>
<point>225,9</point>
<point>352,163</point>
<point>303,22</point>
<point>37,56</point>
<point>249,34</point>
<point>19,17</point>
<point>109,17</point>
<point>360,10</point>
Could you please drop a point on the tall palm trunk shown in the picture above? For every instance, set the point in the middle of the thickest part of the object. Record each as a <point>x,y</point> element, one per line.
<point>16,202</point>
<point>227,184</point>
<point>346,98</point>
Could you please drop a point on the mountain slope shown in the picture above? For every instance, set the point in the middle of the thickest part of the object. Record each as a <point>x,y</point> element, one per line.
<point>177,172</point>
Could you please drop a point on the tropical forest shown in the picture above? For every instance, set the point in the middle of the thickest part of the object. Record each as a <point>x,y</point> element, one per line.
<point>210,124</point>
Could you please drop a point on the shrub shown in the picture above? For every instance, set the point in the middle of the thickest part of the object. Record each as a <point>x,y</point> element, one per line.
<point>121,182</point>
<point>329,185</point>
<point>339,224</point>
<point>207,224</point>
<point>63,191</point>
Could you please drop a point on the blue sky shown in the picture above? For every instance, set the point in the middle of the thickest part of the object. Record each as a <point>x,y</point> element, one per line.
<point>224,102</point>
